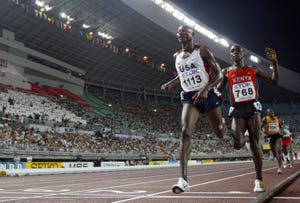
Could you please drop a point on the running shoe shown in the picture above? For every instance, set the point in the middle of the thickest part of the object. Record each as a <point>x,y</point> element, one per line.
<point>181,186</point>
<point>279,171</point>
<point>259,186</point>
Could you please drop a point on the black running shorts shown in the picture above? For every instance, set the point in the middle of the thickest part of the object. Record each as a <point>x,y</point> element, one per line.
<point>212,101</point>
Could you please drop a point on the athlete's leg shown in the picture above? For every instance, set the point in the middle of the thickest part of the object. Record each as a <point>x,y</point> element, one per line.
<point>238,129</point>
<point>253,125</point>
<point>273,147</point>
<point>290,152</point>
<point>216,121</point>
<point>189,118</point>
<point>284,158</point>
<point>278,149</point>
<point>247,143</point>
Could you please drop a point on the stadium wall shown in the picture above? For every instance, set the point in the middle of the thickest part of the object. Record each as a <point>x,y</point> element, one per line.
<point>14,56</point>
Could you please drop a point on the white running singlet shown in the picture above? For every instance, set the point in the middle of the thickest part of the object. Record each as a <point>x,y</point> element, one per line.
<point>191,70</point>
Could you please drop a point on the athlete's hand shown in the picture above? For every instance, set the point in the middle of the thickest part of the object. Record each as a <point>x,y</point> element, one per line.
<point>271,54</point>
<point>200,96</point>
<point>165,87</point>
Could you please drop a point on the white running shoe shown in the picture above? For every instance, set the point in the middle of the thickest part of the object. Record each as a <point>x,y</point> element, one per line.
<point>181,186</point>
<point>259,186</point>
<point>279,171</point>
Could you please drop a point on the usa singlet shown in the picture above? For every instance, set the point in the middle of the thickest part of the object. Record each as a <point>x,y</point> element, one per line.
<point>192,71</point>
<point>243,85</point>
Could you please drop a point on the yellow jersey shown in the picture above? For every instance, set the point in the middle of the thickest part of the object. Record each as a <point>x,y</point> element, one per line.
<point>272,125</point>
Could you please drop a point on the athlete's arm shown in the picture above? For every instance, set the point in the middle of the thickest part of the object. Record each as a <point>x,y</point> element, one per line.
<point>274,79</point>
<point>214,72</point>
<point>280,122</point>
<point>222,84</point>
<point>169,85</point>
<point>263,124</point>
<point>214,68</point>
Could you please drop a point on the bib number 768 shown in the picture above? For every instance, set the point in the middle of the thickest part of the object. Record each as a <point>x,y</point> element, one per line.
<point>244,92</point>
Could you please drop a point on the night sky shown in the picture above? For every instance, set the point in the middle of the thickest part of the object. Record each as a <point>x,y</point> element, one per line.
<point>253,24</point>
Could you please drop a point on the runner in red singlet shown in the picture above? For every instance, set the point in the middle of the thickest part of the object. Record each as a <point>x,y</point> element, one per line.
<point>246,109</point>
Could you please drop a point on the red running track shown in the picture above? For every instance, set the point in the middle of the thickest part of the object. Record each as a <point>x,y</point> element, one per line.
<point>221,182</point>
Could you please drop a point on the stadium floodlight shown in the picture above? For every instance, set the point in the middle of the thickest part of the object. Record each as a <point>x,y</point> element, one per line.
<point>39,3</point>
<point>104,35</point>
<point>254,59</point>
<point>69,18</point>
<point>180,16</point>
<point>86,26</point>
<point>127,50</point>
<point>159,2</point>
<point>224,42</point>
<point>168,8</point>
<point>43,6</point>
<point>48,8</point>
<point>190,22</point>
<point>63,15</point>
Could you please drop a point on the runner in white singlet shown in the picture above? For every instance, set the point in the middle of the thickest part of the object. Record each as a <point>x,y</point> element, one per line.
<point>198,73</point>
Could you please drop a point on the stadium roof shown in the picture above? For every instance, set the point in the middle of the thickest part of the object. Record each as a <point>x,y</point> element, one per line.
<point>138,25</point>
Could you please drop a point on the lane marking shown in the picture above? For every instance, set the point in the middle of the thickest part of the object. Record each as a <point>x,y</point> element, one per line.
<point>282,197</point>
<point>216,193</point>
<point>118,186</point>
<point>24,198</point>
<point>156,181</point>
<point>201,197</point>
<point>119,191</point>
<point>41,190</point>
<point>204,183</point>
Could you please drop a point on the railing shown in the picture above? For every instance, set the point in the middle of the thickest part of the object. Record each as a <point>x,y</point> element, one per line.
<point>6,154</point>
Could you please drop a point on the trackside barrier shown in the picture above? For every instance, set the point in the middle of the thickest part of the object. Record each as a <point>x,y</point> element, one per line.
<point>12,165</point>
<point>82,167</point>
<point>190,162</point>
<point>112,163</point>
<point>52,171</point>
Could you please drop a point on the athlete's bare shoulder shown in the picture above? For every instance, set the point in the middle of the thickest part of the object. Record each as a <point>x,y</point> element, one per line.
<point>175,55</point>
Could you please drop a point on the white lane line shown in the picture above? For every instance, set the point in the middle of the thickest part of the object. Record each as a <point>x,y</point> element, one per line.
<point>117,186</point>
<point>25,193</point>
<point>293,198</point>
<point>200,197</point>
<point>97,189</point>
<point>148,182</point>
<point>57,183</point>
<point>24,198</point>
<point>167,191</point>
<point>163,197</point>
<point>119,191</point>
<point>221,193</point>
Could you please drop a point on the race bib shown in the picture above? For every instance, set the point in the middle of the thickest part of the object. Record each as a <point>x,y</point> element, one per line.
<point>273,127</point>
<point>191,82</point>
<point>244,91</point>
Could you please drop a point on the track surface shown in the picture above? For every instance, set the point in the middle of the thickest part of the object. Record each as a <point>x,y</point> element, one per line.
<point>222,182</point>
